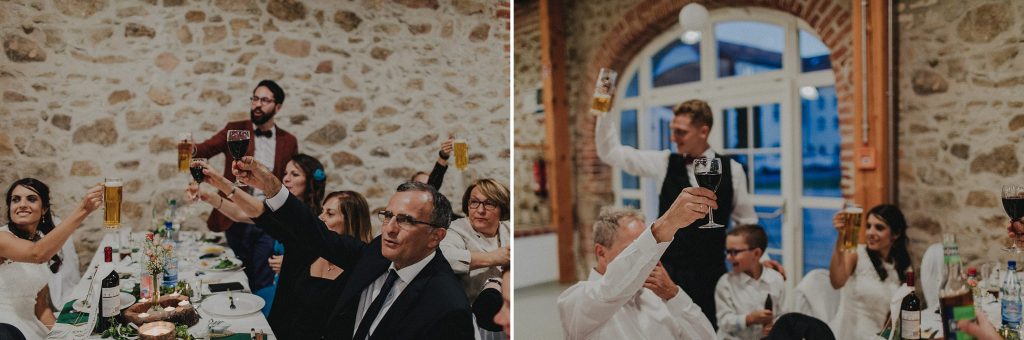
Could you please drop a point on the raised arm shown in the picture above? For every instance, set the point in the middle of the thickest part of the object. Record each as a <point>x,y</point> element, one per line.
<point>20,250</point>
<point>225,206</point>
<point>436,177</point>
<point>341,250</point>
<point>213,146</point>
<point>586,307</point>
<point>843,262</point>
<point>646,163</point>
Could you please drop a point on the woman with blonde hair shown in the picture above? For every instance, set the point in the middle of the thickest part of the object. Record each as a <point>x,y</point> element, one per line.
<point>478,245</point>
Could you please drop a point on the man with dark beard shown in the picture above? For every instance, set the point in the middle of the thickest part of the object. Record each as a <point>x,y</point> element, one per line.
<point>272,147</point>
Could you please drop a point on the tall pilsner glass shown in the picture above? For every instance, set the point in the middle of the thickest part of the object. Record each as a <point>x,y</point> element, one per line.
<point>185,151</point>
<point>604,89</point>
<point>852,217</point>
<point>461,150</point>
<point>112,202</point>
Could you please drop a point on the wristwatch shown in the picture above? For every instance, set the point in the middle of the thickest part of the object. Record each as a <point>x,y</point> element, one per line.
<point>440,153</point>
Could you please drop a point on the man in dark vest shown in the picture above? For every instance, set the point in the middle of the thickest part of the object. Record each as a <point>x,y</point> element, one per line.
<point>696,258</point>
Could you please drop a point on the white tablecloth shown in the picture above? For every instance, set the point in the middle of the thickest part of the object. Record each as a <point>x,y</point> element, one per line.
<point>188,258</point>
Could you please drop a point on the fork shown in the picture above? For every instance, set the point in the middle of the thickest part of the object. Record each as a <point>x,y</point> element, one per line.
<point>92,281</point>
<point>231,298</point>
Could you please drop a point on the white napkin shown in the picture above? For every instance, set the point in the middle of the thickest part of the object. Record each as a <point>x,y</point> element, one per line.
<point>895,306</point>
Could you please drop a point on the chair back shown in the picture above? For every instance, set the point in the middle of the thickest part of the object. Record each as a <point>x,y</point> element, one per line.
<point>931,274</point>
<point>814,296</point>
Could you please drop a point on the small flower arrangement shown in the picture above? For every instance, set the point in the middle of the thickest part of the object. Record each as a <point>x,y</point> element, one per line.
<point>157,253</point>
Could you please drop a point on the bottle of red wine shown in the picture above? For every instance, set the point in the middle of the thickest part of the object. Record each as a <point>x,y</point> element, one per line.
<point>910,312</point>
<point>110,294</point>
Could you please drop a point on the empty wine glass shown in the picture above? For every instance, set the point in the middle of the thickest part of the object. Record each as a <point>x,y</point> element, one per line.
<point>1013,204</point>
<point>709,174</point>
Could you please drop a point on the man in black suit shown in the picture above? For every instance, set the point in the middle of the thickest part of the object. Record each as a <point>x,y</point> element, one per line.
<point>400,285</point>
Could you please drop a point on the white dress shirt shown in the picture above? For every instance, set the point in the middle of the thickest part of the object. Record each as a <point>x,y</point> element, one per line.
<point>616,306</point>
<point>405,275</point>
<point>738,294</point>
<point>463,239</point>
<point>653,164</point>
<point>264,151</point>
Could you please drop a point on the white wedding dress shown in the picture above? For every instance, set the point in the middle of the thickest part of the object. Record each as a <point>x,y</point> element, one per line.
<point>20,283</point>
<point>864,301</point>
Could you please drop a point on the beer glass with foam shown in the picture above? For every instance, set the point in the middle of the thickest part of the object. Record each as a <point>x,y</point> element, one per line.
<point>112,202</point>
<point>604,89</point>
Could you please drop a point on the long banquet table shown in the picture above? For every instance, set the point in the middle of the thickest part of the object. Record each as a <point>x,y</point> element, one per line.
<point>188,252</point>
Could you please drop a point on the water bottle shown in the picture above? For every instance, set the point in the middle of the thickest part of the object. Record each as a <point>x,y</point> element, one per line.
<point>1010,298</point>
<point>171,267</point>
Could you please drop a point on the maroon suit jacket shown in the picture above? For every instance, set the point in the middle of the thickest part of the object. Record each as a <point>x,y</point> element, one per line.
<point>287,146</point>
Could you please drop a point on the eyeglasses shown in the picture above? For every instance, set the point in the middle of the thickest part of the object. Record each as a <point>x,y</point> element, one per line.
<point>489,205</point>
<point>404,221</point>
<point>264,100</point>
<point>734,252</point>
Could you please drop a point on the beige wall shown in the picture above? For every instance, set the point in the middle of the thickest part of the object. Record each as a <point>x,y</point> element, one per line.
<point>95,88</point>
<point>960,110</point>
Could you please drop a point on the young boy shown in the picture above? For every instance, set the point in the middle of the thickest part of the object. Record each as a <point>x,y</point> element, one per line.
<point>740,295</point>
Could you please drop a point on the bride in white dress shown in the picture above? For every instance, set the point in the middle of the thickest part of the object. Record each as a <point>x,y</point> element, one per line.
<point>870,276</point>
<point>27,258</point>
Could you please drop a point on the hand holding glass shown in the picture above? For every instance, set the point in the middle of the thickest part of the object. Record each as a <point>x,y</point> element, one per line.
<point>604,89</point>
<point>852,219</point>
<point>1013,204</point>
<point>185,151</point>
<point>709,174</point>
<point>112,202</point>
<point>238,144</point>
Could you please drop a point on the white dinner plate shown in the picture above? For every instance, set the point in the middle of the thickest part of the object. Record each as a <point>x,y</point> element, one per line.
<point>220,304</point>
<point>211,264</point>
<point>126,301</point>
<point>211,249</point>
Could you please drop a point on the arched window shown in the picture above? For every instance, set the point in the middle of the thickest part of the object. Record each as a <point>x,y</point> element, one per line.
<point>768,78</point>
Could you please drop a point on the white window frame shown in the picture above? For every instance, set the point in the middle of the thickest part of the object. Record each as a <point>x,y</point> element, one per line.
<point>780,86</point>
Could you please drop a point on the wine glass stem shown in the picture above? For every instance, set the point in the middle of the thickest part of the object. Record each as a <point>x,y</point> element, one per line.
<point>711,215</point>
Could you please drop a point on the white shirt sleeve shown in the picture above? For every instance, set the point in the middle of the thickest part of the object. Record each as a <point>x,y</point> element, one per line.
<point>645,163</point>
<point>730,320</point>
<point>590,304</point>
<point>743,208</point>
<point>278,200</point>
<point>693,323</point>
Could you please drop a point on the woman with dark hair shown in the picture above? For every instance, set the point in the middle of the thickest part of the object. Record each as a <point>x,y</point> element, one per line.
<point>870,276</point>
<point>28,258</point>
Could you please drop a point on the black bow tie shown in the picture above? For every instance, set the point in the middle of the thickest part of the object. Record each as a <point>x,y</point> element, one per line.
<point>688,160</point>
<point>267,133</point>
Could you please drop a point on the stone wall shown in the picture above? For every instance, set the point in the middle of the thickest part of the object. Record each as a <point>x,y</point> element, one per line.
<point>609,33</point>
<point>960,118</point>
<point>95,88</point>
